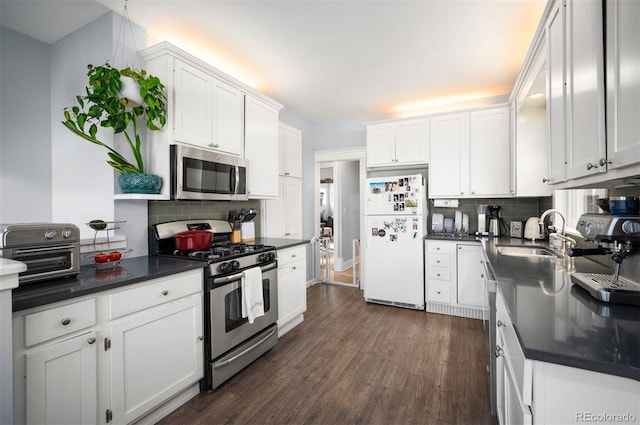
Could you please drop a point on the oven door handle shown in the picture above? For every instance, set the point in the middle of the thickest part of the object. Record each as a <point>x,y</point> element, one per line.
<point>238,276</point>
<point>245,351</point>
<point>45,249</point>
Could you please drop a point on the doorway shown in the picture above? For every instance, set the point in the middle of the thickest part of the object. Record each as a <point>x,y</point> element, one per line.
<point>338,214</point>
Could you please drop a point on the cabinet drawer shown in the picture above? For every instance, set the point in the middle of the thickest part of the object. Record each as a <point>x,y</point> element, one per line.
<point>156,292</point>
<point>438,273</point>
<point>292,266</point>
<point>59,321</point>
<point>439,291</point>
<point>440,247</point>
<point>439,260</point>
<point>288,255</point>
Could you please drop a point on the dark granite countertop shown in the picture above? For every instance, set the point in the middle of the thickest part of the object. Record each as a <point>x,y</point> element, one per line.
<point>90,280</point>
<point>282,243</point>
<point>453,238</point>
<point>559,322</point>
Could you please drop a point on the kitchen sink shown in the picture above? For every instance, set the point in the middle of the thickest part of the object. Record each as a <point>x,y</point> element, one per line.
<point>526,251</point>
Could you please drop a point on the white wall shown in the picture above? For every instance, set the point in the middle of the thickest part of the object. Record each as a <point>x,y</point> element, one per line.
<point>25,129</point>
<point>47,173</point>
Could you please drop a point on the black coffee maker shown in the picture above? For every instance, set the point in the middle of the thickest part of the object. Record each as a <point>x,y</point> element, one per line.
<point>495,221</point>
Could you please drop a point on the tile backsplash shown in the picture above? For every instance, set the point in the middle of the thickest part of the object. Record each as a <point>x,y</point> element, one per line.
<point>512,208</point>
<point>163,211</point>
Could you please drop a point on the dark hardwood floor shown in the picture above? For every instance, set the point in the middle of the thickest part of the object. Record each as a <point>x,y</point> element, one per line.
<point>351,362</point>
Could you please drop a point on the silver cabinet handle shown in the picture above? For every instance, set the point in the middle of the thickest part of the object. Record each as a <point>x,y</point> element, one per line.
<point>200,338</point>
<point>603,162</point>
<point>500,323</point>
<point>293,267</point>
<point>591,166</point>
<point>499,351</point>
<point>546,180</point>
<point>213,145</point>
<point>91,340</point>
<point>165,292</point>
<point>65,321</point>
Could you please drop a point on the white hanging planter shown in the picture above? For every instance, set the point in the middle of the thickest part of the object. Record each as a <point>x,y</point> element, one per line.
<point>131,91</point>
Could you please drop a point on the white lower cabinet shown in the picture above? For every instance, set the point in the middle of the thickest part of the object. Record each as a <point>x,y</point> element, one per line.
<point>60,381</point>
<point>470,272</point>
<point>536,392</point>
<point>112,357</point>
<point>292,287</point>
<point>153,355</point>
<point>454,278</point>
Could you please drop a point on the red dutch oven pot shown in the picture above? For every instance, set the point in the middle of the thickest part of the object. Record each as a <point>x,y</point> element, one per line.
<point>193,240</point>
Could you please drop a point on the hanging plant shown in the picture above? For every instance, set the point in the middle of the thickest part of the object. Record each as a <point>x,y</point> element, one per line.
<point>104,105</point>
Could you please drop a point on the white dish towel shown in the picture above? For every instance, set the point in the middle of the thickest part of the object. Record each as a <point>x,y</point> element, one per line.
<point>252,301</point>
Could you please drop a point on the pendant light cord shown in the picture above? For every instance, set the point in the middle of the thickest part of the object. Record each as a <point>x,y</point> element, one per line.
<point>124,23</point>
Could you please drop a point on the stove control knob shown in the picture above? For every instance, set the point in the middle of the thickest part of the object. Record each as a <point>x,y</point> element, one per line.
<point>631,227</point>
<point>50,234</point>
<point>266,257</point>
<point>235,265</point>
<point>66,233</point>
<point>225,267</point>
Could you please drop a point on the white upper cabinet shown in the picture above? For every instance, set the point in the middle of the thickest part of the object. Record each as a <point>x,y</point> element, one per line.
<point>530,126</point>
<point>448,150</point>
<point>208,112</point>
<point>585,91</point>
<point>261,148</point>
<point>470,154</point>
<point>397,143</point>
<point>623,83</point>
<point>490,152</point>
<point>290,148</point>
<point>556,117</point>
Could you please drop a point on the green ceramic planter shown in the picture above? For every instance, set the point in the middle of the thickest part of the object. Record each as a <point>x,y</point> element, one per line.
<point>139,183</point>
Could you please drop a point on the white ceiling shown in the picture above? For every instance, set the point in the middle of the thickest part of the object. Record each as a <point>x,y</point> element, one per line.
<point>327,60</point>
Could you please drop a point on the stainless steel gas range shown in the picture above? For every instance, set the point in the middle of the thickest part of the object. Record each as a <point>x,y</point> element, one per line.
<point>231,341</point>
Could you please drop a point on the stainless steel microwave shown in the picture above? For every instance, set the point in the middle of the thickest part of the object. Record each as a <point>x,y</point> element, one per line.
<point>201,174</point>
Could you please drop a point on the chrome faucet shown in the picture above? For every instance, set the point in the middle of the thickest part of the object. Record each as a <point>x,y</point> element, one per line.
<point>549,211</point>
<point>560,235</point>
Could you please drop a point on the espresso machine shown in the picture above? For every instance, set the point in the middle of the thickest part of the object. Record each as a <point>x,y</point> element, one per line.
<point>615,235</point>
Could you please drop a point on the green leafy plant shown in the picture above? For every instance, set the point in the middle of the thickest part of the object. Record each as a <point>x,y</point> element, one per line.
<point>102,105</point>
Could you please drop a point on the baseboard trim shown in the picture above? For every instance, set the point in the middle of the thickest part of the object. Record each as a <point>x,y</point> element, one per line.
<point>454,310</point>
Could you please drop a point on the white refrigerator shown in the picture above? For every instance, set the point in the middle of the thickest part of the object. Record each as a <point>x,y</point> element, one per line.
<point>393,269</point>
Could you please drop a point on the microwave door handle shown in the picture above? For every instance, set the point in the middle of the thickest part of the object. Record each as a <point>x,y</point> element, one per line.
<point>237,179</point>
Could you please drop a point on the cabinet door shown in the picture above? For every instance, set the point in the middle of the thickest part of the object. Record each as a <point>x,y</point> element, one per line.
<point>500,376</point>
<point>623,82</point>
<point>585,88</point>
<point>470,269</point>
<point>293,152</point>
<point>490,153</point>
<point>261,148</point>
<point>556,95</point>
<point>292,291</point>
<point>515,411</point>
<point>293,208</point>
<point>61,382</point>
<point>155,354</point>
<point>275,213</point>
<point>411,142</point>
<point>193,107</point>
<point>381,147</point>
<point>448,155</point>
<point>228,118</point>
